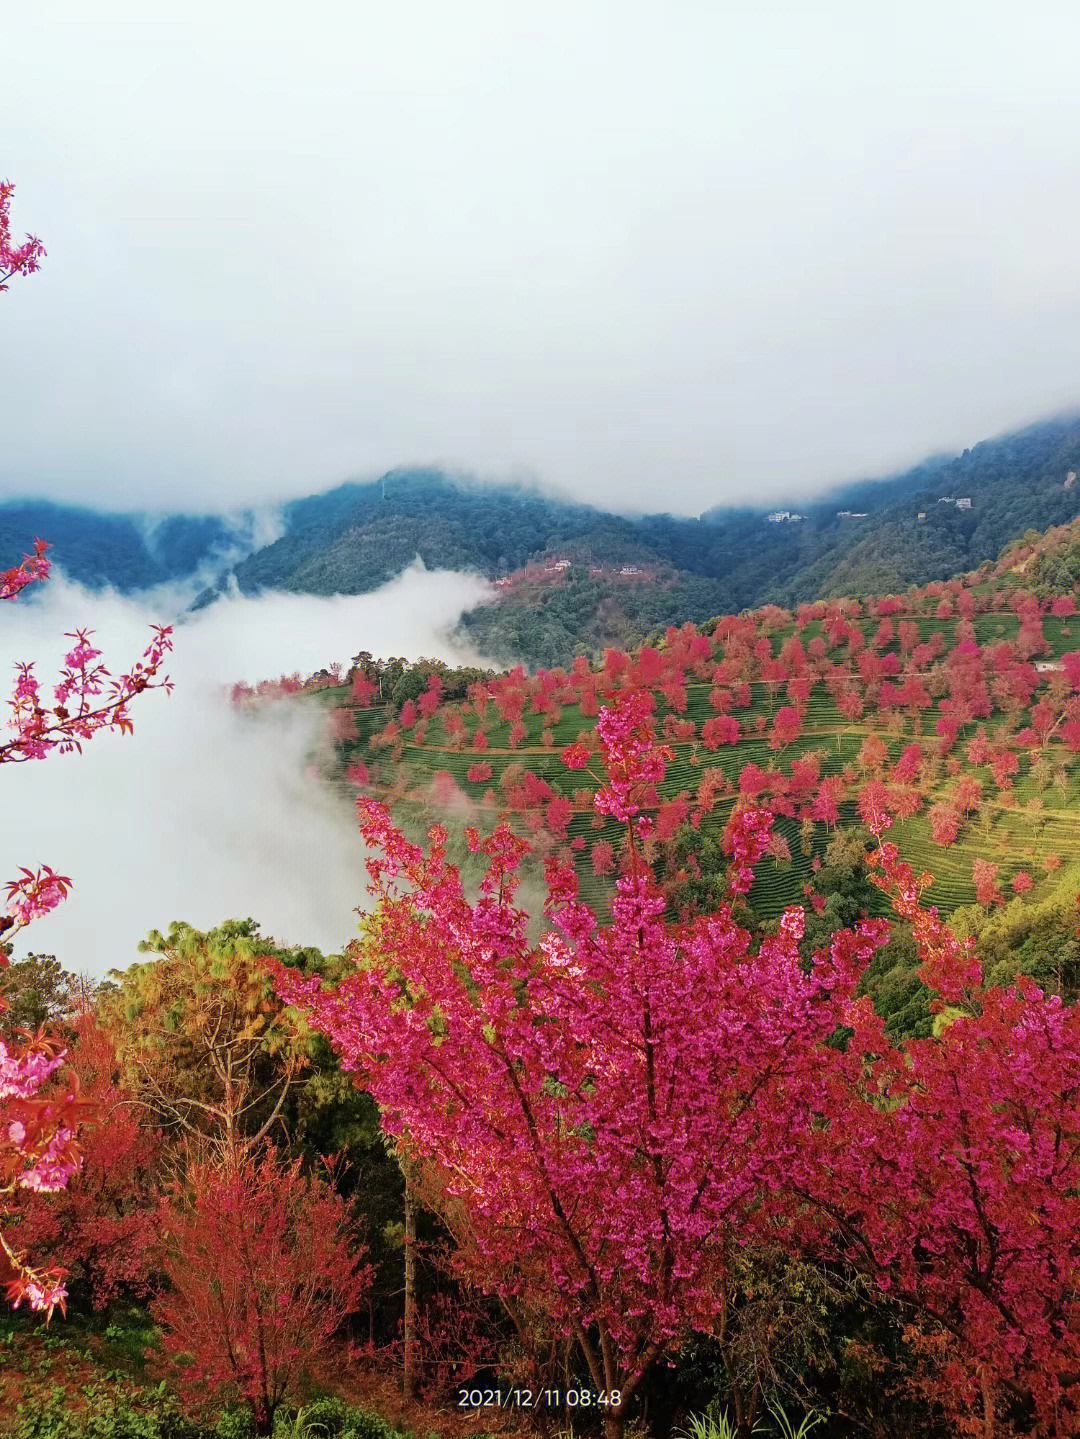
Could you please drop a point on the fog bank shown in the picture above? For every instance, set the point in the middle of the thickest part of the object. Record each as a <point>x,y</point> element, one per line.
<point>206,812</point>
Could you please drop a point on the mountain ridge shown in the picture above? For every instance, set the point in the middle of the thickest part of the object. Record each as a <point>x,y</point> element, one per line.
<point>597,576</point>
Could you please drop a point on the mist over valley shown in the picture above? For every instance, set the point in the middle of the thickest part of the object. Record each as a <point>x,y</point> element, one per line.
<point>207,811</point>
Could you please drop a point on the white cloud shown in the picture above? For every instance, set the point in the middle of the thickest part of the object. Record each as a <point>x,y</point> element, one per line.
<point>206,812</point>
<point>696,251</point>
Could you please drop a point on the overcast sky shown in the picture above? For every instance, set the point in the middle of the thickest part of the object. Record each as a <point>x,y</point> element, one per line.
<point>658,255</point>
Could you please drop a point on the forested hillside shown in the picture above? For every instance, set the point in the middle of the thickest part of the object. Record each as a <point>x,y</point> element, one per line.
<point>575,577</point>
<point>125,551</point>
<point>357,536</point>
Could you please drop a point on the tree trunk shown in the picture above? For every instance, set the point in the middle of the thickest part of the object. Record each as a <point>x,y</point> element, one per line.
<point>743,1429</point>
<point>613,1426</point>
<point>263,1417</point>
<point>409,1378</point>
<point>989,1399</point>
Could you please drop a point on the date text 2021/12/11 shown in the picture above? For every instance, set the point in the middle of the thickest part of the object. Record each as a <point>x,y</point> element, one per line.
<point>524,1398</point>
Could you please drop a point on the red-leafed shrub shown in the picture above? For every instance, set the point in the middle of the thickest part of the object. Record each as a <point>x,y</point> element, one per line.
<point>984,875</point>
<point>358,773</point>
<point>603,857</point>
<point>558,815</point>
<point>718,730</point>
<point>262,1271</point>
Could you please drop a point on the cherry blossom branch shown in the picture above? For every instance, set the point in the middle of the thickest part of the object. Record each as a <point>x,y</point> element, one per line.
<point>21,259</point>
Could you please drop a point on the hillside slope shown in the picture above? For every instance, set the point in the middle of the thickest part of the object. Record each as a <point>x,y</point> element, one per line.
<point>955,708</point>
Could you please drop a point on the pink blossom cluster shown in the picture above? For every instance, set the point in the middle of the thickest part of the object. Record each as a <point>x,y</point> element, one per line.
<point>35,894</point>
<point>22,1075</point>
<point>745,840</point>
<point>33,567</point>
<point>54,1165</point>
<point>86,698</point>
<point>38,1147</point>
<point>950,1169</point>
<point>38,1152</point>
<point>21,259</point>
<point>633,760</point>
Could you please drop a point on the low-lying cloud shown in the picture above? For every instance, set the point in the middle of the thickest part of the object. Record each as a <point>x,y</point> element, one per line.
<point>206,812</point>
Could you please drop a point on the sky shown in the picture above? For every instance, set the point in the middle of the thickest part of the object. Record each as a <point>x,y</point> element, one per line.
<point>653,255</point>
<point>206,812</point>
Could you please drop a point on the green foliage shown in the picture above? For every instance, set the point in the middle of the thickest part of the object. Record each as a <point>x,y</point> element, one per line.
<point>108,1413</point>
<point>786,1429</point>
<point>357,536</point>
<point>332,1418</point>
<point>1038,939</point>
<point>115,549</point>
<point>398,680</point>
<point>716,1424</point>
<point>713,1424</point>
<point>38,991</point>
<point>129,1333</point>
<point>233,1424</point>
<point>354,538</point>
<point>899,996</point>
<point>585,615</point>
<point>783,1337</point>
<point>204,1009</point>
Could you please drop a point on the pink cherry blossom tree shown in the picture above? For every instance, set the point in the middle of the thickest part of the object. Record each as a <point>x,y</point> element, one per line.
<point>602,1109</point>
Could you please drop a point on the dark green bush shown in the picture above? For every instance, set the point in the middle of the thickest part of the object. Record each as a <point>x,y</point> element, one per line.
<point>332,1418</point>
<point>105,1417</point>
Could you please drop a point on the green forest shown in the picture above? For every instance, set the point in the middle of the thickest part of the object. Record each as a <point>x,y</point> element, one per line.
<point>354,538</point>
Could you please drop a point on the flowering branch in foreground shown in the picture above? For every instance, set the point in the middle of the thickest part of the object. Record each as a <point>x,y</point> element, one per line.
<point>21,259</point>
<point>39,1113</point>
